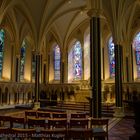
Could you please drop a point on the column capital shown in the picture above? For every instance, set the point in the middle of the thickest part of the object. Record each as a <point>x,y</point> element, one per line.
<point>118,42</point>
<point>94,8</point>
<point>45,61</point>
<point>63,60</point>
<point>94,13</point>
<point>18,55</point>
<point>37,53</point>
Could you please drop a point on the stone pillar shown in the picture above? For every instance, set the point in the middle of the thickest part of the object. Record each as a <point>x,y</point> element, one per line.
<point>44,72</point>
<point>17,74</point>
<point>95,65</point>
<point>62,71</point>
<point>37,82</point>
<point>119,111</point>
<point>48,68</point>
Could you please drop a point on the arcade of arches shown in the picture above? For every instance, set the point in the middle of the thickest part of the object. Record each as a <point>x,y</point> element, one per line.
<point>46,46</point>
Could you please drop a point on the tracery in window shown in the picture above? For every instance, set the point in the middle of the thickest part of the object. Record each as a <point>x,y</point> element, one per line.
<point>2,37</point>
<point>56,63</point>
<point>111,49</point>
<point>22,60</point>
<point>136,44</point>
<point>77,61</point>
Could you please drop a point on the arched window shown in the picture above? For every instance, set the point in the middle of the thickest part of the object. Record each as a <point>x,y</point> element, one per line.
<point>136,44</point>
<point>2,37</point>
<point>77,61</point>
<point>22,60</point>
<point>111,49</point>
<point>56,63</point>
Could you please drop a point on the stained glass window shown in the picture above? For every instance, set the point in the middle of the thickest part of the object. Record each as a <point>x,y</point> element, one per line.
<point>22,60</point>
<point>77,61</point>
<point>33,67</point>
<point>2,36</point>
<point>136,44</point>
<point>111,49</point>
<point>56,63</point>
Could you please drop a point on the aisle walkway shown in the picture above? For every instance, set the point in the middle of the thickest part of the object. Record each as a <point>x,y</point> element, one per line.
<point>122,130</point>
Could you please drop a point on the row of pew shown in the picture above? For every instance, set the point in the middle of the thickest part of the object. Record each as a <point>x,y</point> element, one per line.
<point>53,125</point>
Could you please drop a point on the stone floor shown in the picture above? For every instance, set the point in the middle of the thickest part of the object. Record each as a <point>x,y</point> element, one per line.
<point>122,130</point>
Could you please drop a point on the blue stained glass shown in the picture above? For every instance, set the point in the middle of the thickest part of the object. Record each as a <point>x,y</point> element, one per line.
<point>136,44</point>
<point>111,49</point>
<point>2,37</point>
<point>77,61</point>
<point>138,57</point>
<point>57,63</point>
<point>22,60</point>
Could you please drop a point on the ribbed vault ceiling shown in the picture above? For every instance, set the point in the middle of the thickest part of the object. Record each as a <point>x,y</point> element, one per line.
<point>64,16</point>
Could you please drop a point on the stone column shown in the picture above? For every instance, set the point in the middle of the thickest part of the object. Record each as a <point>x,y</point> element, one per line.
<point>48,68</point>
<point>44,72</point>
<point>62,71</point>
<point>37,82</point>
<point>17,74</point>
<point>95,63</point>
<point>119,111</point>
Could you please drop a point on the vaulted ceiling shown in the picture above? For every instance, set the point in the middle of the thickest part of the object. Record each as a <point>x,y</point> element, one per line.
<point>37,18</point>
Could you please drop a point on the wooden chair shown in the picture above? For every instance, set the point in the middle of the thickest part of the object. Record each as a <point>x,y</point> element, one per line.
<point>37,123</point>
<point>58,129</point>
<point>78,115</point>
<point>99,128</point>
<point>59,115</point>
<point>17,122</point>
<point>78,129</point>
<point>41,114</point>
<point>5,121</point>
<point>58,123</point>
<point>31,113</point>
